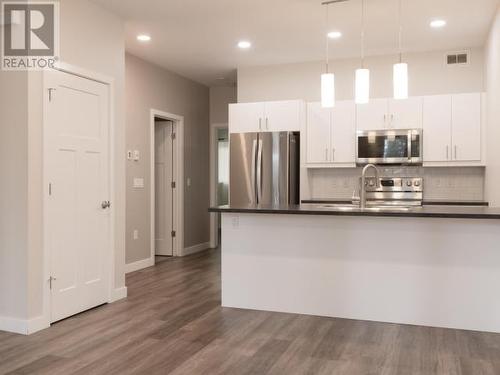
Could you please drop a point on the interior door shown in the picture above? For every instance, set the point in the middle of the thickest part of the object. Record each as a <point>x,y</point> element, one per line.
<point>405,113</point>
<point>466,127</point>
<point>372,115</point>
<point>318,133</point>
<point>437,128</point>
<point>78,216</point>
<point>163,188</point>
<point>344,132</point>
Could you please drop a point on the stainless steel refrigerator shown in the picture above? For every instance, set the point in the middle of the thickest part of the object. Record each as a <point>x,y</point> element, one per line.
<point>264,168</point>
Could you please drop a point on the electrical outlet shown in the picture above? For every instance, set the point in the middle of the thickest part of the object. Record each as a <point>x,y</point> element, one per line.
<point>136,234</point>
<point>137,155</point>
<point>235,221</point>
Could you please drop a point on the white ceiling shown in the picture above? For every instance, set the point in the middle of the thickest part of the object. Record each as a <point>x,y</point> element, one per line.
<point>197,38</point>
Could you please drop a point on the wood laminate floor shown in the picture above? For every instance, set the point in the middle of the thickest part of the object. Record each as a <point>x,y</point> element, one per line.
<point>172,323</point>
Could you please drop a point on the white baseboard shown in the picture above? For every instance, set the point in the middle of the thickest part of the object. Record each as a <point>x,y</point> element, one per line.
<point>118,294</point>
<point>195,248</point>
<point>139,265</point>
<point>23,326</point>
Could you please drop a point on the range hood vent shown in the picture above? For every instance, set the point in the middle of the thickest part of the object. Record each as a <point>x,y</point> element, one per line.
<point>457,58</point>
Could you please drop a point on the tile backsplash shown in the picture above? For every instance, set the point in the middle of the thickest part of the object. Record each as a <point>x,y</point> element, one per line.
<point>454,183</point>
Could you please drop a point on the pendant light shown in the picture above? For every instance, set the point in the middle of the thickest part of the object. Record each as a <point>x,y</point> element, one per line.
<point>400,70</point>
<point>362,86</point>
<point>327,79</point>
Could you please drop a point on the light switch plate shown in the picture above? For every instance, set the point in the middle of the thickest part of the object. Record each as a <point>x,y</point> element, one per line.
<point>137,155</point>
<point>129,155</point>
<point>138,183</point>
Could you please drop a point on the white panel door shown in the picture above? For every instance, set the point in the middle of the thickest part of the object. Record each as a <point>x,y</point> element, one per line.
<point>372,115</point>
<point>437,128</point>
<point>246,117</point>
<point>77,168</point>
<point>282,116</point>
<point>344,132</point>
<point>163,188</point>
<point>318,133</point>
<point>405,113</point>
<point>466,121</point>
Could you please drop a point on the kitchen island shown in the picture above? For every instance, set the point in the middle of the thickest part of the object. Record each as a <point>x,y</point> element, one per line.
<point>432,265</point>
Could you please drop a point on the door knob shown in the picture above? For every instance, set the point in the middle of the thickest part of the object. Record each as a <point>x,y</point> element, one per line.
<point>105,204</point>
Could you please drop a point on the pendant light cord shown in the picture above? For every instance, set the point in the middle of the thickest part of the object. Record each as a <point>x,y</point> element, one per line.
<point>327,41</point>
<point>400,32</point>
<point>362,33</point>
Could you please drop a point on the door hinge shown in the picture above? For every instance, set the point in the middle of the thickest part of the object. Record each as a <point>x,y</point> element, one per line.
<point>173,233</point>
<point>172,135</point>
<point>51,278</point>
<point>173,184</point>
<point>50,93</point>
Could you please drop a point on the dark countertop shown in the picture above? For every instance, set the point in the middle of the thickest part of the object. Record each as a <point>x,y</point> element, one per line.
<point>432,211</point>
<point>428,202</point>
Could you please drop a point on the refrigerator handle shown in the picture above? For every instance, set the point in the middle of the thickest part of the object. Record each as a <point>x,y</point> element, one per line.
<point>259,172</point>
<point>254,156</point>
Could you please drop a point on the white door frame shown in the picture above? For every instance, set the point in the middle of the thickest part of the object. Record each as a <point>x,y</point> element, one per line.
<point>177,176</point>
<point>110,82</point>
<point>214,227</point>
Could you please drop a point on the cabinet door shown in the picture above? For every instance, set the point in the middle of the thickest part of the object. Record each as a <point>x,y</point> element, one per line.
<point>246,117</point>
<point>344,132</point>
<point>318,133</point>
<point>405,113</point>
<point>282,116</point>
<point>372,115</point>
<point>466,127</point>
<point>437,128</point>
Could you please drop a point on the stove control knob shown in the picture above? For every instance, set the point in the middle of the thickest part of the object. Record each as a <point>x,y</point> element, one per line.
<point>409,183</point>
<point>417,183</point>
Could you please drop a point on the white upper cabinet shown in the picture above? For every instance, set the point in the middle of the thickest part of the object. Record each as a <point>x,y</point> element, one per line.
<point>437,128</point>
<point>318,133</point>
<point>466,120</point>
<point>246,117</point>
<point>344,132</point>
<point>283,116</point>
<point>330,134</point>
<point>266,116</point>
<point>372,115</point>
<point>405,113</point>
<point>381,114</point>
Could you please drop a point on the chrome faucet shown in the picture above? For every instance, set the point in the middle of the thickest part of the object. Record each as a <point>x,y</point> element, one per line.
<point>362,190</point>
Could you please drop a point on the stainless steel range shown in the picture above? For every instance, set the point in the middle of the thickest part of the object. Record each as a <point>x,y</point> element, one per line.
<point>393,191</point>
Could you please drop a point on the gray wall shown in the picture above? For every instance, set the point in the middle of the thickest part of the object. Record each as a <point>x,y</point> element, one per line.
<point>220,98</point>
<point>492,83</point>
<point>149,86</point>
<point>427,76</point>
<point>91,39</point>
<point>13,194</point>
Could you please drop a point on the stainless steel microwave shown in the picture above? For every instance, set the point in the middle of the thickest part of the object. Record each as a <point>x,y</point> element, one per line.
<point>389,147</point>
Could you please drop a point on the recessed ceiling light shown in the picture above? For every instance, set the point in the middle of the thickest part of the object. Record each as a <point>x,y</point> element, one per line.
<point>244,44</point>
<point>143,38</point>
<point>334,34</point>
<point>438,23</point>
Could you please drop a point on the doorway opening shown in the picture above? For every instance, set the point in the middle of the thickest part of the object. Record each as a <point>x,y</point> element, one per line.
<point>167,188</point>
<point>220,177</point>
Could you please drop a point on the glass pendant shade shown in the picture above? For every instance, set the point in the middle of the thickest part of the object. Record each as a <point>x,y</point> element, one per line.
<point>328,90</point>
<point>362,86</point>
<point>400,81</point>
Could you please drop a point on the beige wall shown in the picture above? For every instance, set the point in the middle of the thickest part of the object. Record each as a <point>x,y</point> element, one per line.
<point>91,39</point>
<point>13,194</point>
<point>427,74</point>
<point>220,98</point>
<point>149,86</point>
<point>492,83</point>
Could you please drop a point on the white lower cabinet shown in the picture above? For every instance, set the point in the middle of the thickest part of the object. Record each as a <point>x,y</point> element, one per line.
<point>330,134</point>
<point>452,129</point>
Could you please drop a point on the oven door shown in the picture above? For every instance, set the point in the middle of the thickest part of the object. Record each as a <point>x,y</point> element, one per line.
<point>389,147</point>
